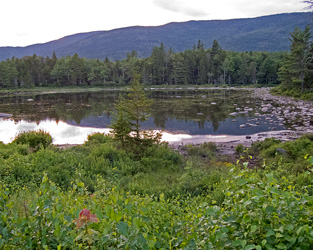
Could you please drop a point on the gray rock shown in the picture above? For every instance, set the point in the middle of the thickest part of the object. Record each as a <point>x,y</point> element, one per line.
<point>5,115</point>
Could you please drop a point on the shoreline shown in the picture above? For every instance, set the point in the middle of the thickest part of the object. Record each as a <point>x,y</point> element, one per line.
<point>226,143</point>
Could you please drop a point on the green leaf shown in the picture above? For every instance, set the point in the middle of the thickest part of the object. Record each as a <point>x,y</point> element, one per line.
<point>246,218</point>
<point>250,247</point>
<point>253,228</point>
<point>136,221</point>
<point>80,184</point>
<point>243,243</point>
<point>291,239</point>
<point>270,233</point>
<point>118,216</point>
<point>264,242</point>
<point>270,210</point>
<point>281,246</point>
<point>210,211</point>
<point>231,218</point>
<point>299,230</point>
<point>78,237</point>
<point>237,243</point>
<point>290,228</point>
<point>270,176</point>
<point>310,160</point>
<point>242,182</point>
<point>122,227</point>
<point>59,208</point>
<point>108,209</point>
<point>258,192</point>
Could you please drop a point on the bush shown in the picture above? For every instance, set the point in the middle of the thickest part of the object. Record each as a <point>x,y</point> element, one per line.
<point>239,149</point>
<point>207,149</point>
<point>34,139</point>
<point>98,138</point>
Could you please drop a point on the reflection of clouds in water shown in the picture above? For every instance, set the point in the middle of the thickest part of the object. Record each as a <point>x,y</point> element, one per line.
<point>25,126</point>
<point>174,137</point>
<point>7,130</point>
<point>61,132</point>
<point>70,132</point>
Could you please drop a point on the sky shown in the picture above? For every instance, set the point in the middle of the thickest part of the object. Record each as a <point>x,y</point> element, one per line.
<point>26,22</point>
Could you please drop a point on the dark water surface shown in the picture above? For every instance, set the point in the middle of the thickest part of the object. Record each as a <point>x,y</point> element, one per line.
<point>69,116</point>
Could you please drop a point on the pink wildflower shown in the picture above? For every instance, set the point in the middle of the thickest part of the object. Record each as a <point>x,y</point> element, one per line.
<point>84,217</point>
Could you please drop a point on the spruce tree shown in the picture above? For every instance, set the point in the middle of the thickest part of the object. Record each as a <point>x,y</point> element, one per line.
<point>298,62</point>
<point>121,126</point>
<point>131,111</point>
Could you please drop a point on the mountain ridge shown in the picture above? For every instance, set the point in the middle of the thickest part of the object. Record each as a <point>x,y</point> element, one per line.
<point>266,33</point>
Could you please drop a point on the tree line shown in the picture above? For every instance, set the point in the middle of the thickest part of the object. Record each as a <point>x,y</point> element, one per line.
<point>164,67</point>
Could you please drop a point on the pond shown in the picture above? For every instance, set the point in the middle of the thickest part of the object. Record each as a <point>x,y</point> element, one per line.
<point>179,113</point>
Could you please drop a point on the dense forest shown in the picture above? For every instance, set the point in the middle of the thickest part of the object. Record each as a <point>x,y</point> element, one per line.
<point>194,66</point>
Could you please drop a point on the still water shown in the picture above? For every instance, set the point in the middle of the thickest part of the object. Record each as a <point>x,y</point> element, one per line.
<point>70,117</point>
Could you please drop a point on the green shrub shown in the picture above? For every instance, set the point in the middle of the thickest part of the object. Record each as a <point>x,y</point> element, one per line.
<point>268,142</point>
<point>207,149</point>
<point>239,149</point>
<point>109,152</point>
<point>308,136</point>
<point>7,150</point>
<point>98,138</point>
<point>34,139</point>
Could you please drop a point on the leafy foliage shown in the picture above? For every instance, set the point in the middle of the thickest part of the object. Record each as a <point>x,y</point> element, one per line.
<point>34,139</point>
<point>158,201</point>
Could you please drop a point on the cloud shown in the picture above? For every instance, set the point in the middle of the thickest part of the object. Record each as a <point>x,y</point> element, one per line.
<point>181,7</point>
<point>266,7</point>
<point>168,5</point>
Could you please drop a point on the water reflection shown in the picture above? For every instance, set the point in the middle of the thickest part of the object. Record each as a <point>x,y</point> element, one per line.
<point>61,132</point>
<point>69,117</point>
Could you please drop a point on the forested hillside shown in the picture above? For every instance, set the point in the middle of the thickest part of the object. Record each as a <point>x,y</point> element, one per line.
<point>193,66</point>
<point>268,33</point>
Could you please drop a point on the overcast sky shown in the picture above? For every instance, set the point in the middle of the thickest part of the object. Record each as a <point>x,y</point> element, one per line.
<point>25,22</point>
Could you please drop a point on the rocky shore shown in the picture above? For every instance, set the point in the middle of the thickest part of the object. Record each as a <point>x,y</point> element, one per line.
<point>277,111</point>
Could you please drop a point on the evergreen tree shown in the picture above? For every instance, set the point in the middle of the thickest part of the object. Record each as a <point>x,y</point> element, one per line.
<point>138,105</point>
<point>298,62</point>
<point>121,124</point>
<point>130,113</point>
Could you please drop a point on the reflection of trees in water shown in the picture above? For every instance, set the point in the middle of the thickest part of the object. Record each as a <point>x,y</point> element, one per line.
<point>192,105</point>
<point>67,107</point>
<point>180,105</point>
